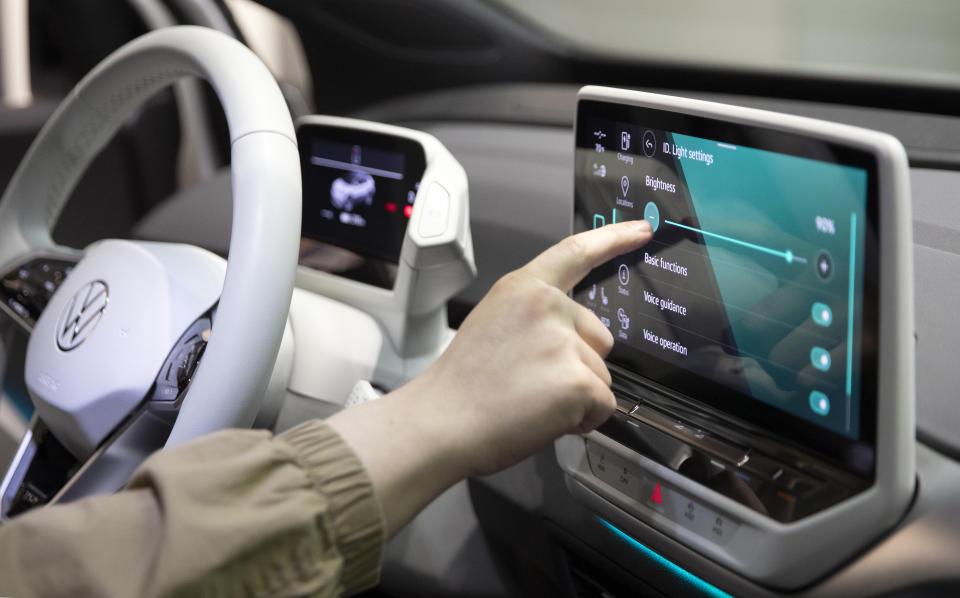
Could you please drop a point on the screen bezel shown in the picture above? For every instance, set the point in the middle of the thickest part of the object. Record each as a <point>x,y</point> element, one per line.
<point>414,168</point>
<point>855,455</point>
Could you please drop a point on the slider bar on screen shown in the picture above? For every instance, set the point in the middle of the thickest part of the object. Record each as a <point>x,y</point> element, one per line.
<point>318,161</point>
<point>787,255</point>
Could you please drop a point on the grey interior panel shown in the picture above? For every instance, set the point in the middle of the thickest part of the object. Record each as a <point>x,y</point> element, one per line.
<point>521,187</point>
<point>936,210</point>
<point>444,553</point>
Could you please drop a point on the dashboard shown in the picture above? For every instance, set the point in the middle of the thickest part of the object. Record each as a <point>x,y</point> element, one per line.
<point>528,513</point>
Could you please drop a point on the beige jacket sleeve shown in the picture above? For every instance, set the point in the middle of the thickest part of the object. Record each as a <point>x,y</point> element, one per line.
<point>236,513</point>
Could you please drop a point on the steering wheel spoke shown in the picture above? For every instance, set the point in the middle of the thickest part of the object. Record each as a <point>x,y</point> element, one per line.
<point>44,470</point>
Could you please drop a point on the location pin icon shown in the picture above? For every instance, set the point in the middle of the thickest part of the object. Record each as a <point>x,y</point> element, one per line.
<point>624,184</point>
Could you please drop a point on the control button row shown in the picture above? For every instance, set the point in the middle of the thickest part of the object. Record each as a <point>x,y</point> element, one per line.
<point>691,434</point>
<point>631,480</point>
<point>752,467</point>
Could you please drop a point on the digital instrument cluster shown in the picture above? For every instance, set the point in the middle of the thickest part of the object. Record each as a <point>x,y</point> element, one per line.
<point>358,194</point>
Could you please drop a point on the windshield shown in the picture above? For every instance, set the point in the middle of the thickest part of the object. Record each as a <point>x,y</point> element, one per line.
<point>876,40</point>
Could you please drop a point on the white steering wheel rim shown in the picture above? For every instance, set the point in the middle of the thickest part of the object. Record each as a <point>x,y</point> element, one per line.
<point>228,387</point>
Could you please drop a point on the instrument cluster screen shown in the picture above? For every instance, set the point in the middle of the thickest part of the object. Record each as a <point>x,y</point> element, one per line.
<point>358,193</point>
<point>757,293</point>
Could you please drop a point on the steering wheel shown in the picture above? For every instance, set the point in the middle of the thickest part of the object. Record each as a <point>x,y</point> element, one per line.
<point>123,324</point>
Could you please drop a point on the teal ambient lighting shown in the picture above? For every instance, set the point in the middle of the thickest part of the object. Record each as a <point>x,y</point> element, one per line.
<point>853,268</point>
<point>684,577</point>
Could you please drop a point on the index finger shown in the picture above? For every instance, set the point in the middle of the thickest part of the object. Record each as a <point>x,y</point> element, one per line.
<point>566,263</point>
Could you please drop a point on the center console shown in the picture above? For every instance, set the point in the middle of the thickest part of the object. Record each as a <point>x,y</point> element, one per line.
<point>763,356</point>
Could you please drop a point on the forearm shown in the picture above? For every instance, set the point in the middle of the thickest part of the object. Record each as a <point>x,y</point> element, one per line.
<point>234,513</point>
<point>410,446</point>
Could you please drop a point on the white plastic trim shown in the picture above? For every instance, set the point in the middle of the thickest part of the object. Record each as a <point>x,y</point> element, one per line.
<point>432,269</point>
<point>794,554</point>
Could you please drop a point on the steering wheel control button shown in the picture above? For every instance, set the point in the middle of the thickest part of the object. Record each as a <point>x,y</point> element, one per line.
<point>178,370</point>
<point>26,290</point>
<point>819,403</point>
<point>436,210</point>
<point>651,213</point>
<point>822,314</point>
<point>824,264</point>
<point>820,358</point>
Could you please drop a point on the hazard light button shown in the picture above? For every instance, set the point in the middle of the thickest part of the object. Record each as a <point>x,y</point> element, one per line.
<point>657,496</point>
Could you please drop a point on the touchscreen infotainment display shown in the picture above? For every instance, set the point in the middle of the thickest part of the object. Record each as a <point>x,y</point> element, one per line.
<point>754,294</point>
<point>358,194</point>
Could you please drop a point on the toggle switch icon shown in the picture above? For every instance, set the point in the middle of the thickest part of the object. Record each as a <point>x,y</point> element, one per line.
<point>819,403</point>
<point>820,358</point>
<point>821,314</point>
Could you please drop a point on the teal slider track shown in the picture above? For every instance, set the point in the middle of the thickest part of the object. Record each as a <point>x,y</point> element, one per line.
<point>787,255</point>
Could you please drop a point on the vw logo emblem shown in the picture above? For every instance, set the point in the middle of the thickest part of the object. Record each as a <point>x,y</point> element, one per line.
<point>82,314</point>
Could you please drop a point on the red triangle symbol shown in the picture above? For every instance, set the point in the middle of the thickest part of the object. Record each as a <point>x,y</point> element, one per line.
<point>656,495</point>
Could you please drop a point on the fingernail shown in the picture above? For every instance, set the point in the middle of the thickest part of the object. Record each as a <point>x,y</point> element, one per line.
<point>641,226</point>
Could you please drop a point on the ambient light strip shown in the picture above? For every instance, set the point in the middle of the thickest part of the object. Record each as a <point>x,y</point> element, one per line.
<point>685,577</point>
<point>850,305</point>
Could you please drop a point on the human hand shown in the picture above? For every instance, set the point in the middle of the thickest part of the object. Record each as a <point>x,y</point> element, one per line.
<point>527,365</point>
